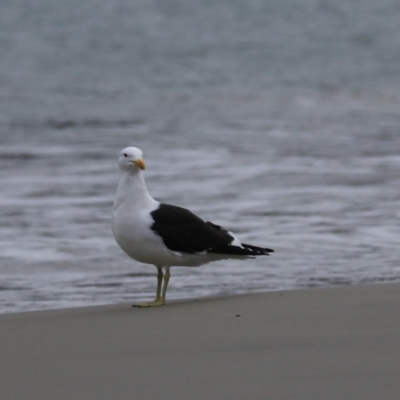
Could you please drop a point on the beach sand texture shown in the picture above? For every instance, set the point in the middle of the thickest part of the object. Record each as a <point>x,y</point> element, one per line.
<point>334,343</point>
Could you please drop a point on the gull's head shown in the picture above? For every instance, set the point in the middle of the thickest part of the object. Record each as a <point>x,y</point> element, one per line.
<point>131,158</point>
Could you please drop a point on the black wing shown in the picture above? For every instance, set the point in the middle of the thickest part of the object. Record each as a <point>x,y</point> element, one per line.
<point>185,232</point>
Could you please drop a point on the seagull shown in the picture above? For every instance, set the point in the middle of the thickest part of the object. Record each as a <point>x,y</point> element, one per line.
<point>164,235</point>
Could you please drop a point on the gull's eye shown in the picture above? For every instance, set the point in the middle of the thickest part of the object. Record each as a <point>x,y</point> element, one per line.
<point>125,155</point>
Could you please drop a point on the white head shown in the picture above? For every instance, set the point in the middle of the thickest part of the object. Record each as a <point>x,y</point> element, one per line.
<point>130,159</point>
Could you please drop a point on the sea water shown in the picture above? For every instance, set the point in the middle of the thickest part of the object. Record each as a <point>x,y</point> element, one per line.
<point>279,120</point>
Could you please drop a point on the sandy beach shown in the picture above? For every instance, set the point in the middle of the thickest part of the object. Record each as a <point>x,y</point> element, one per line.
<point>335,343</point>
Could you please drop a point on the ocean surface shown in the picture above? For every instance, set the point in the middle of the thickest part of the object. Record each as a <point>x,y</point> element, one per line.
<point>279,120</point>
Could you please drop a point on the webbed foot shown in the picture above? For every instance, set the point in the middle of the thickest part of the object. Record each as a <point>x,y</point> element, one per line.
<point>155,303</point>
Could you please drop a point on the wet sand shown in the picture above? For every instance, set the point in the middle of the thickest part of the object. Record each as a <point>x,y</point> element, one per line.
<point>335,343</point>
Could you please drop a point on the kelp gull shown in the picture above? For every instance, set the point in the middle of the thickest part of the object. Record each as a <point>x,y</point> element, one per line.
<point>164,235</point>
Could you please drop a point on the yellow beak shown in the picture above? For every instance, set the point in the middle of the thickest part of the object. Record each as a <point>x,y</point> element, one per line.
<point>140,163</point>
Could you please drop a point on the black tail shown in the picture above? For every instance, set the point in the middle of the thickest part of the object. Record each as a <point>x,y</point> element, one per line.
<point>246,250</point>
<point>257,251</point>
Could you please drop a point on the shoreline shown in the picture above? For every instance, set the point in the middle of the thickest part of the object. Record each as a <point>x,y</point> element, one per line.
<point>319,343</point>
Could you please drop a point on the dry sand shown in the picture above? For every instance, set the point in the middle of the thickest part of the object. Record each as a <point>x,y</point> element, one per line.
<point>341,343</point>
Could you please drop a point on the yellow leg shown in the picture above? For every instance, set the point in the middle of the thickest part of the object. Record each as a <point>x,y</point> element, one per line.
<point>160,294</point>
<point>159,283</point>
<point>167,275</point>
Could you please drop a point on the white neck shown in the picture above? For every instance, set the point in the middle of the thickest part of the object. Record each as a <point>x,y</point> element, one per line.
<point>132,190</point>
